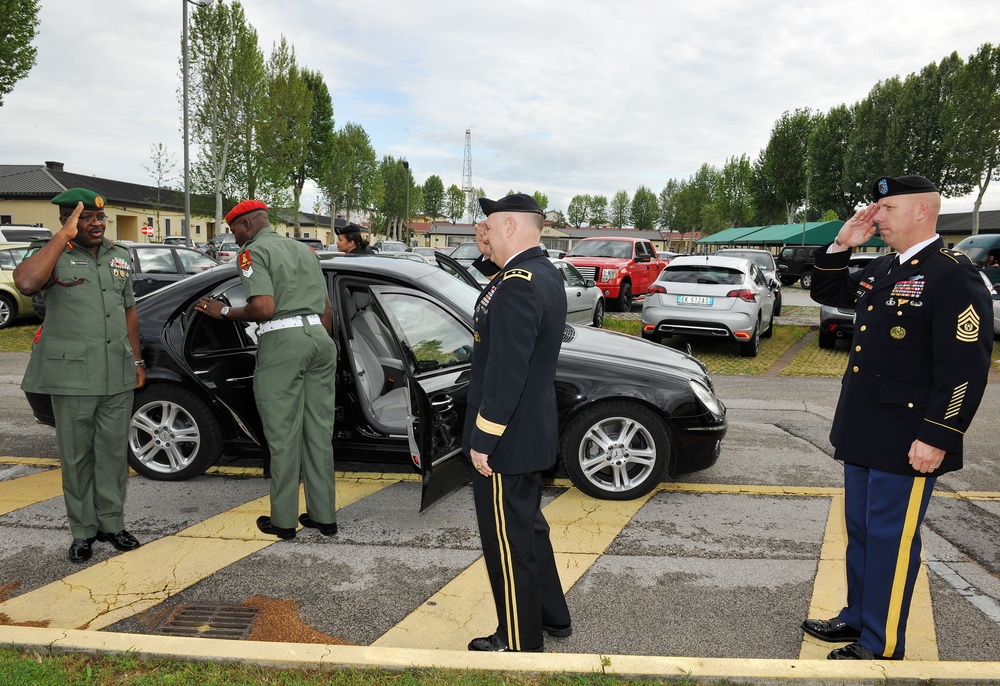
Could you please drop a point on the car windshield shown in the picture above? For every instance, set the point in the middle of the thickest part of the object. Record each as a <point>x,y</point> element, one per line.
<point>763,260</point>
<point>702,273</point>
<point>622,249</point>
<point>392,246</point>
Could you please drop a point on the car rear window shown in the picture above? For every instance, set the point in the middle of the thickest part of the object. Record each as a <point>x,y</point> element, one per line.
<point>704,273</point>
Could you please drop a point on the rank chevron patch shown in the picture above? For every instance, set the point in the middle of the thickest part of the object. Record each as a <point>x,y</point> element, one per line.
<point>968,326</point>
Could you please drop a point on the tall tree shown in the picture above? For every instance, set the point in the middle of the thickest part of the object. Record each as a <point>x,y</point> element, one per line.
<point>322,141</point>
<point>455,203</point>
<point>395,179</point>
<point>161,169</point>
<point>827,147</point>
<point>353,176</point>
<point>246,173</point>
<point>17,54</point>
<point>693,195</point>
<point>284,124</point>
<point>475,211</point>
<point>541,199</point>
<point>732,192</point>
<point>865,157</point>
<point>433,196</point>
<point>667,206</point>
<point>220,60</point>
<point>597,210</point>
<point>576,213</point>
<point>784,162</point>
<point>618,212</point>
<point>644,208</point>
<point>972,116</point>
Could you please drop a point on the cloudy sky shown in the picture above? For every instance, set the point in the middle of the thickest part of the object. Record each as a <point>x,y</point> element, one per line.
<point>561,96</point>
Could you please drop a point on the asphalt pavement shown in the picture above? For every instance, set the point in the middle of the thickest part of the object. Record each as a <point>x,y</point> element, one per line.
<point>710,575</point>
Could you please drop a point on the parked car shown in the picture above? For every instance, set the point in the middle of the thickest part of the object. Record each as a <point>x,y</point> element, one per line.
<point>630,413</point>
<point>429,253</point>
<point>465,253</point>
<point>712,296</point>
<point>183,241</point>
<point>226,252</point>
<point>389,246</point>
<point>796,262</point>
<point>13,303</point>
<point>838,322</point>
<point>622,268</point>
<point>765,260</point>
<point>980,248</point>
<point>584,302</point>
<point>22,233</point>
<point>154,265</point>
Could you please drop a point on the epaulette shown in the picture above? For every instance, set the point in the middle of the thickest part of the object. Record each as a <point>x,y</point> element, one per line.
<point>517,273</point>
<point>957,255</point>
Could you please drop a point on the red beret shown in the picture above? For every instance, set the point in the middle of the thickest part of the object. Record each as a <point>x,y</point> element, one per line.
<point>243,208</point>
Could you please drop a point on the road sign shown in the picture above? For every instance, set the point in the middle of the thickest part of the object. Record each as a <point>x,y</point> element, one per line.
<point>147,231</point>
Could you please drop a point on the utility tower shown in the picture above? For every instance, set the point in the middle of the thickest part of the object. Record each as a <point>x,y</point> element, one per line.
<point>467,170</point>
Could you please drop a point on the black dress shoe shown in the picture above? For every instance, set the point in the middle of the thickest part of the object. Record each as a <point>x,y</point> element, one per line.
<point>495,644</point>
<point>856,651</point>
<point>123,540</point>
<point>325,529</point>
<point>80,550</point>
<point>265,525</point>
<point>558,630</point>
<point>831,630</point>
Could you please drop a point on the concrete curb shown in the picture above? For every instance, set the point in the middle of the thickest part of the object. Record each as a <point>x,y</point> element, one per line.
<point>313,656</point>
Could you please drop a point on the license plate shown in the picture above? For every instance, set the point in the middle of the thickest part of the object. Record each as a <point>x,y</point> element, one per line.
<point>694,300</point>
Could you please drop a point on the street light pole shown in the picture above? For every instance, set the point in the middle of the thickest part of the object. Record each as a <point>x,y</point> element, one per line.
<point>186,229</point>
<point>406,233</point>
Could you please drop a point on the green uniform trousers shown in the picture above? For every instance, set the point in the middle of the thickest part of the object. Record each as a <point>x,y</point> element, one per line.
<point>294,387</point>
<point>92,435</point>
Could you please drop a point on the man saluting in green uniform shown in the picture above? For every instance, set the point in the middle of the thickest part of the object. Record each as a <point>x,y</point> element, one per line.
<point>296,367</point>
<point>89,361</point>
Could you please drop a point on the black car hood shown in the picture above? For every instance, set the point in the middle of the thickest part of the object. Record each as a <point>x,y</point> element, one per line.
<point>646,357</point>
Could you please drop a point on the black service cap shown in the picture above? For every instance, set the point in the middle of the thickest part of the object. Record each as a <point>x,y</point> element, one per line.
<point>518,202</point>
<point>887,186</point>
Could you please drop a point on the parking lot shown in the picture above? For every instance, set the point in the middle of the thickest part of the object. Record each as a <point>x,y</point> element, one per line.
<point>710,575</point>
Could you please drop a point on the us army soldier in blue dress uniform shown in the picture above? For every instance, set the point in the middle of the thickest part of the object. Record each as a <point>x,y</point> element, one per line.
<point>511,429</point>
<point>88,359</point>
<point>294,380</point>
<point>920,357</point>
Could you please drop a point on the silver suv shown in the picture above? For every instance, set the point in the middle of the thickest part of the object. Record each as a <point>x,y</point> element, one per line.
<point>838,322</point>
<point>765,260</point>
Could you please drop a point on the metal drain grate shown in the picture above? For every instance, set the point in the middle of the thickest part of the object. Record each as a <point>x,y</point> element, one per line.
<point>209,621</point>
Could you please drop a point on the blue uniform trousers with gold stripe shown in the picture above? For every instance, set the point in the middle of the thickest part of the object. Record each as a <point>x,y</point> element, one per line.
<point>519,557</point>
<point>883,512</point>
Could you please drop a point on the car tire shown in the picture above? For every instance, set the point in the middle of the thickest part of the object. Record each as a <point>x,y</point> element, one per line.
<point>827,340</point>
<point>807,280</point>
<point>616,471</point>
<point>750,347</point>
<point>769,331</point>
<point>599,313</point>
<point>788,280</point>
<point>8,310</point>
<point>172,435</point>
<point>624,302</point>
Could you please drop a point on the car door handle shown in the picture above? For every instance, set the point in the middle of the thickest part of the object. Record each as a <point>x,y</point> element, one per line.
<point>442,403</point>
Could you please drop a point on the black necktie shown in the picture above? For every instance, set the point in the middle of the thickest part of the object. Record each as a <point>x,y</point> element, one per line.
<point>893,264</point>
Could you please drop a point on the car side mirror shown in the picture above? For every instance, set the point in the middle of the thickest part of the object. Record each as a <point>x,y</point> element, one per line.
<point>782,267</point>
<point>589,283</point>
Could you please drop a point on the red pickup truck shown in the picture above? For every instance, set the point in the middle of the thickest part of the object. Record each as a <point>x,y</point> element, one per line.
<point>621,267</point>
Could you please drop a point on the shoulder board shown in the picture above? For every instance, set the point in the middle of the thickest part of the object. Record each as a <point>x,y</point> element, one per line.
<point>956,255</point>
<point>517,273</point>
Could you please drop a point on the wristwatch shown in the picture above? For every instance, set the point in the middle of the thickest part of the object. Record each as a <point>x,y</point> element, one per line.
<point>140,363</point>
<point>224,311</point>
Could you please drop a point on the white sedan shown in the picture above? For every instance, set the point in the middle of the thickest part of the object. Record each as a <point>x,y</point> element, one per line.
<point>584,301</point>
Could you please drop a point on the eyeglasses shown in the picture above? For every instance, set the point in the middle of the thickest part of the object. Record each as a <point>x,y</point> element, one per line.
<point>87,218</point>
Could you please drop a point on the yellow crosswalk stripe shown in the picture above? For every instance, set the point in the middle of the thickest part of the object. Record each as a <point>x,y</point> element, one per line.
<point>582,528</point>
<point>129,583</point>
<point>29,489</point>
<point>830,594</point>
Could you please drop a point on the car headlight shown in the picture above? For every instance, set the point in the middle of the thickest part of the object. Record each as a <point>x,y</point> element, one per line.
<point>708,399</point>
<point>609,274</point>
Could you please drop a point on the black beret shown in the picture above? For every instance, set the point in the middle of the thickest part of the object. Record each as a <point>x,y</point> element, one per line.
<point>887,186</point>
<point>349,229</point>
<point>519,202</point>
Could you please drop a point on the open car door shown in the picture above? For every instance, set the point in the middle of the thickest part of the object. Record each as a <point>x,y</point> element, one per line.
<point>437,347</point>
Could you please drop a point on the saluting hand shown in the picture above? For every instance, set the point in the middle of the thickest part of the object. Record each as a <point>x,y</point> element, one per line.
<point>69,227</point>
<point>859,228</point>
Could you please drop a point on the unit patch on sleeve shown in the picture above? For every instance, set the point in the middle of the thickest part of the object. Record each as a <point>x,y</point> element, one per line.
<point>246,265</point>
<point>968,326</point>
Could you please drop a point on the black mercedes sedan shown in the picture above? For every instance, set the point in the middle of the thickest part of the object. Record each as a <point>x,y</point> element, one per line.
<point>631,413</point>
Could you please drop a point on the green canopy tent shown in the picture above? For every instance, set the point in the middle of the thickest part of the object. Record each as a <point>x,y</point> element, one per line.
<point>811,233</point>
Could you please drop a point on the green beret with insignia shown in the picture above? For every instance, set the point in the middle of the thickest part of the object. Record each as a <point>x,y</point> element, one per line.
<point>69,198</point>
